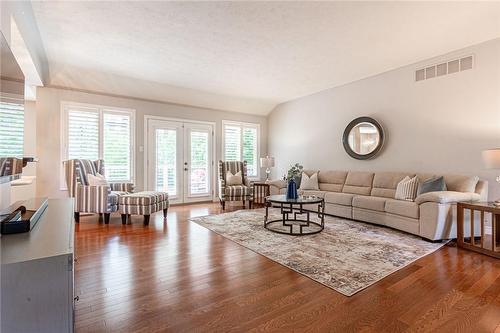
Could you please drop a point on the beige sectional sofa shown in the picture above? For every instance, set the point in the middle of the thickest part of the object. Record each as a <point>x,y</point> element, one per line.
<point>369,197</point>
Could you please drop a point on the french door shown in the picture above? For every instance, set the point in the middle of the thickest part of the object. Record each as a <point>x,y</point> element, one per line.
<point>180,159</point>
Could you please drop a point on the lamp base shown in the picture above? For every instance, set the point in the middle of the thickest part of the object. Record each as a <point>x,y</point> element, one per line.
<point>268,172</point>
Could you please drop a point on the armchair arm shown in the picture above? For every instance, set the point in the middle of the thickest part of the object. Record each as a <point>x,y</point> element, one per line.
<point>124,187</point>
<point>92,199</point>
<point>222,187</point>
<point>447,197</point>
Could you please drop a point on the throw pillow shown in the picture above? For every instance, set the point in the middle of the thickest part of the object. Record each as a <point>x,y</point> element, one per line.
<point>431,185</point>
<point>309,183</point>
<point>234,179</point>
<point>407,189</point>
<point>97,180</point>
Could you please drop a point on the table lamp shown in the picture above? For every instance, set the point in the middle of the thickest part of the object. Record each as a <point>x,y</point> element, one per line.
<point>491,158</point>
<point>267,162</point>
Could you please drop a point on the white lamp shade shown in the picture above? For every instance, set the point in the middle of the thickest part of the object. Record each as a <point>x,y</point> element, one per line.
<point>491,158</point>
<point>267,162</point>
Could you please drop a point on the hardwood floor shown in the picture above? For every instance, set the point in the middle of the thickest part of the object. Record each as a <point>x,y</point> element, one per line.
<point>177,276</point>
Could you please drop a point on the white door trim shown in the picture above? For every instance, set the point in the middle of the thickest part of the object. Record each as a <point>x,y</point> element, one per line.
<point>147,119</point>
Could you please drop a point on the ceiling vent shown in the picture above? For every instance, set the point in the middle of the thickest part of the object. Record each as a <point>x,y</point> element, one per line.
<point>444,68</point>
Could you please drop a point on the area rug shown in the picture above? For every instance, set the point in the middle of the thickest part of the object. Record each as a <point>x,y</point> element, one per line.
<point>347,256</point>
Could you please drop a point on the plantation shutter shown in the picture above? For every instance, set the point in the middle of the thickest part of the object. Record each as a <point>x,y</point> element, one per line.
<point>116,146</point>
<point>241,143</point>
<point>12,133</point>
<point>83,134</point>
<point>232,143</point>
<point>250,150</point>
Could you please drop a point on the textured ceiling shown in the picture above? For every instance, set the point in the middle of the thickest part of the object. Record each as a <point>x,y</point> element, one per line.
<point>247,56</point>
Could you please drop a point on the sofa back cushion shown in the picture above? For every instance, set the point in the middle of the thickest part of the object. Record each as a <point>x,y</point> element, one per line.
<point>358,182</point>
<point>461,183</point>
<point>332,181</point>
<point>458,183</point>
<point>385,183</point>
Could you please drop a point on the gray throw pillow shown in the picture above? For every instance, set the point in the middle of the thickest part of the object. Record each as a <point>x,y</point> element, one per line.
<point>432,185</point>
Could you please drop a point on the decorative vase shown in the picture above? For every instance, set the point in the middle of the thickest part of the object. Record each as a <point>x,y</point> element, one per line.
<point>291,190</point>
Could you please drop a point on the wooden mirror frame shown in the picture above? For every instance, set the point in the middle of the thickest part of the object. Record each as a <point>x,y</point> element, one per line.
<point>350,126</point>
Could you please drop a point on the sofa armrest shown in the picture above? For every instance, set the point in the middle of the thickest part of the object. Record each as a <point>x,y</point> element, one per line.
<point>447,197</point>
<point>123,187</point>
<point>279,183</point>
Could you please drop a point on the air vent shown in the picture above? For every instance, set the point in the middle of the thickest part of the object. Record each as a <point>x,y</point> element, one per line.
<point>445,68</point>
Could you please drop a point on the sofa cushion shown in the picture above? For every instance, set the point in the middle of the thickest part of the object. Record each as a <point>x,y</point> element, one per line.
<point>385,183</point>
<point>236,191</point>
<point>369,202</point>
<point>460,183</point>
<point>358,182</point>
<point>320,194</point>
<point>144,198</point>
<point>344,199</point>
<point>431,185</point>
<point>332,181</point>
<point>309,182</point>
<point>402,208</point>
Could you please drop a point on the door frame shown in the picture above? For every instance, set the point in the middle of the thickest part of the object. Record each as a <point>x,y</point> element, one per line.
<point>147,119</point>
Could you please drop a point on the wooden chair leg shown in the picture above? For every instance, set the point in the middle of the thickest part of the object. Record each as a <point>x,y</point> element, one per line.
<point>223,204</point>
<point>165,211</point>
<point>146,219</point>
<point>249,204</point>
<point>124,218</point>
<point>106,218</point>
<point>243,204</point>
<point>77,217</point>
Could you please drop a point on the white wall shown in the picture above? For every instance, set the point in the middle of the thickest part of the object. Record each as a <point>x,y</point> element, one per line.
<point>439,125</point>
<point>48,130</point>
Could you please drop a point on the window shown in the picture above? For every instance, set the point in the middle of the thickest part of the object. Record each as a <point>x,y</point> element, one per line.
<point>241,143</point>
<point>12,125</point>
<point>94,132</point>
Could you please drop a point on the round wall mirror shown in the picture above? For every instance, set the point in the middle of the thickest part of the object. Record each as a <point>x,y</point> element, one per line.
<point>363,138</point>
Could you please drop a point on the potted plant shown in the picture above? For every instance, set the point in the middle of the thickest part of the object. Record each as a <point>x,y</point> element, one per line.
<point>293,177</point>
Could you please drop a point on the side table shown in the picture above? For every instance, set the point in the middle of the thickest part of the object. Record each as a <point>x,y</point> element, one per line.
<point>481,242</point>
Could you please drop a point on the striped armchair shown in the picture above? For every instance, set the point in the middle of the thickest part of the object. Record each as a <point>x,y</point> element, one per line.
<point>235,192</point>
<point>92,199</point>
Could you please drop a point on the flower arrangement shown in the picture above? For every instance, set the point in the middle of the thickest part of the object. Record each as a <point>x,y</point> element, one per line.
<point>295,171</point>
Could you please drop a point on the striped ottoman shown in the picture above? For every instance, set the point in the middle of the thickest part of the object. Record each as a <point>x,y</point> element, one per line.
<point>142,203</point>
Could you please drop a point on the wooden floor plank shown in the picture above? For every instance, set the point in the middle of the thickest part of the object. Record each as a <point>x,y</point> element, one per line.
<point>176,276</point>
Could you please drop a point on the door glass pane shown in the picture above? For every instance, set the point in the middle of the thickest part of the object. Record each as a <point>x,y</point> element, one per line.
<point>199,163</point>
<point>166,161</point>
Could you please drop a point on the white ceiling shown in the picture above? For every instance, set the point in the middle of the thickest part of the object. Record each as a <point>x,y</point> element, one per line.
<point>247,56</point>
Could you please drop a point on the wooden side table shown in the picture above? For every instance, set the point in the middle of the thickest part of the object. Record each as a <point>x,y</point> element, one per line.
<point>260,191</point>
<point>488,244</point>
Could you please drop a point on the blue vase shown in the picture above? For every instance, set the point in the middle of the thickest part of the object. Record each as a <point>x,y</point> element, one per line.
<point>291,190</point>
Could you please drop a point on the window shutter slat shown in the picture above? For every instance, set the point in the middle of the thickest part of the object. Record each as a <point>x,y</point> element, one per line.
<point>83,135</point>
<point>117,146</point>
<point>12,133</point>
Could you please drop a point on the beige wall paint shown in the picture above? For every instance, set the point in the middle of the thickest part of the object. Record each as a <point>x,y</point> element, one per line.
<point>439,125</point>
<point>48,106</point>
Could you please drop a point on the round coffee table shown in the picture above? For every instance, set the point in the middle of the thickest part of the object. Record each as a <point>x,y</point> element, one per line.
<point>290,208</point>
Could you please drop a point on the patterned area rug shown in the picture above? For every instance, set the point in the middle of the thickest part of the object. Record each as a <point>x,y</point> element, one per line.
<point>347,256</point>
